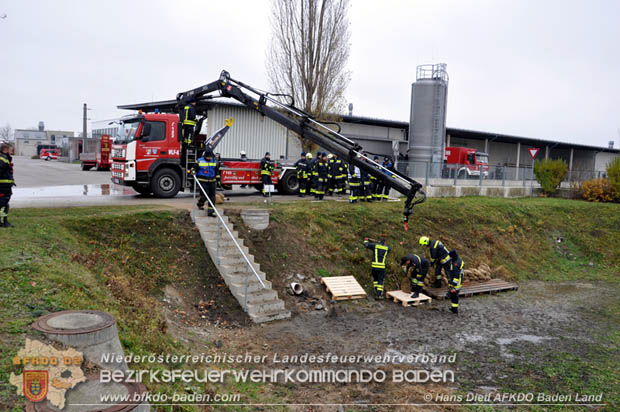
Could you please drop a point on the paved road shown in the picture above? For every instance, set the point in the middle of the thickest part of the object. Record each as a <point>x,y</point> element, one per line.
<point>57,184</point>
<point>38,173</point>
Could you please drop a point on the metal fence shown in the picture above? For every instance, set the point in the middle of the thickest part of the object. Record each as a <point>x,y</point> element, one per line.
<point>440,174</point>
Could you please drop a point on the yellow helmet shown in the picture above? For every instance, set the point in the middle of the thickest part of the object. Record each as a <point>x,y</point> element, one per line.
<point>424,240</point>
<point>308,155</point>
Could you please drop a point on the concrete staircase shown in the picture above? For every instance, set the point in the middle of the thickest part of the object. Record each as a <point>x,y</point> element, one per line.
<point>263,305</point>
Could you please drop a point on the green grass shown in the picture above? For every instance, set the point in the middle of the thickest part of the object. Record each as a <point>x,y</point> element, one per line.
<point>111,259</point>
<point>118,259</point>
<point>514,236</point>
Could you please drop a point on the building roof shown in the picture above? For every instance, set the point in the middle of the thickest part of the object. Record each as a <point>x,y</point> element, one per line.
<point>169,106</point>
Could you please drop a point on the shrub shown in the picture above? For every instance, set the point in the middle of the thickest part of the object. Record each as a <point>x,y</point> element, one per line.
<point>549,173</point>
<point>597,190</point>
<point>613,173</point>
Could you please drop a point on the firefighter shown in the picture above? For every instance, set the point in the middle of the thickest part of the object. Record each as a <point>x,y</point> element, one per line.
<point>243,157</point>
<point>321,171</point>
<point>330,176</point>
<point>218,160</point>
<point>189,122</point>
<point>440,258</point>
<point>379,251</point>
<point>314,173</point>
<point>354,183</point>
<point>300,167</point>
<point>206,172</point>
<point>366,186</point>
<point>266,167</point>
<point>416,269</point>
<point>374,182</point>
<point>382,191</point>
<point>6,182</point>
<point>456,280</point>
<point>307,174</point>
<point>338,171</point>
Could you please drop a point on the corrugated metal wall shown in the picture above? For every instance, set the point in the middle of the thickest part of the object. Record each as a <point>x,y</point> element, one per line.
<point>251,132</point>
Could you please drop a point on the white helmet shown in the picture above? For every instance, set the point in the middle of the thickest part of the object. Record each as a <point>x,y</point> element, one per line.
<point>329,156</point>
<point>242,153</point>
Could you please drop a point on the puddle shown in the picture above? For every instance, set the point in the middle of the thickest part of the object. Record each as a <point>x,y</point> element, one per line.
<point>503,342</point>
<point>106,189</point>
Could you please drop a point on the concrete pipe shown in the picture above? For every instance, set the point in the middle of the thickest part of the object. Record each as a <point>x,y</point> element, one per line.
<point>91,332</point>
<point>297,288</point>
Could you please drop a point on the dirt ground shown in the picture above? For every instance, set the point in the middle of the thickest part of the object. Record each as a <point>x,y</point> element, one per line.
<point>496,339</point>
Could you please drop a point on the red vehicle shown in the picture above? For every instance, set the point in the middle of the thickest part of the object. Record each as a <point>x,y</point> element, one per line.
<point>50,154</point>
<point>147,157</point>
<point>467,161</point>
<point>99,156</point>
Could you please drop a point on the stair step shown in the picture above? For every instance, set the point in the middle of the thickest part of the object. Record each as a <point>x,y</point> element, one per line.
<point>234,268</point>
<point>228,250</point>
<point>201,215</point>
<point>275,304</point>
<point>270,316</point>
<point>224,240</point>
<point>238,289</point>
<point>240,277</point>
<point>264,295</point>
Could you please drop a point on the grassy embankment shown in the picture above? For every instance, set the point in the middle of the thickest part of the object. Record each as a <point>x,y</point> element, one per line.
<point>119,260</point>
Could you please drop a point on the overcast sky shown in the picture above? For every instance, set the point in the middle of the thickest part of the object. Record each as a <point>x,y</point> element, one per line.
<point>545,69</point>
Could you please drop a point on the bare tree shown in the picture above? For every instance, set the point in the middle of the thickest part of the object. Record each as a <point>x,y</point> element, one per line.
<point>308,53</point>
<point>5,132</point>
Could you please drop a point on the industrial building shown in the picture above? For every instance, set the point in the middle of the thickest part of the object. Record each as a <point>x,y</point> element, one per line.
<point>30,142</point>
<point>418,145</point>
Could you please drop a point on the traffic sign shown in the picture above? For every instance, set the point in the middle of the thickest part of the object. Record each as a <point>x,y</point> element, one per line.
<point>533,152</point>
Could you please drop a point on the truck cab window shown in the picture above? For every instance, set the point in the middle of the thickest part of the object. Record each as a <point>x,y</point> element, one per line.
<point>158,131</point>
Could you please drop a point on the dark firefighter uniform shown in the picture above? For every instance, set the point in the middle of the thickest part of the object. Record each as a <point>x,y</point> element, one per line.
<point>366,186</point>
<point>455,274</point>
<point>379,255</point>
<point>321,172</point>
<point>416,270</point>
<point>337,177</point>
<point>354,184</point>
<point>374,183</point>
<point>382,191</point>
<point>266,167</point>
<point>189,122</point>
<point>206,172</point>
<point>302,177</point>
<point>6,187</point>
<point>440,258</point>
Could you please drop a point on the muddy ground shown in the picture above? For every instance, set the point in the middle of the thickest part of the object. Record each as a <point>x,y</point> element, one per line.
<point>499,340</point>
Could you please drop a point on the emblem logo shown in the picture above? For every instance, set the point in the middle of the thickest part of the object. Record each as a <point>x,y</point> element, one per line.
<point>35,385</point>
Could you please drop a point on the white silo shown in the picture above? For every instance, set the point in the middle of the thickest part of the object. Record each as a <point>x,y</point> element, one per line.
<point>427,123</point>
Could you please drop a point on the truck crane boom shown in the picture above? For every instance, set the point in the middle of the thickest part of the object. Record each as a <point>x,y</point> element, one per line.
<point>307,127</point>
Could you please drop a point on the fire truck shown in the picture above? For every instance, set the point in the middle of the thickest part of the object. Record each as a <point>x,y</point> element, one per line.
<point>148,155</point>
<point>97,156</point>
<point>466,162</point>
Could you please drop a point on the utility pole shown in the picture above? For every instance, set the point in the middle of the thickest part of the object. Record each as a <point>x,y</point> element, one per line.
<point>84,128</point>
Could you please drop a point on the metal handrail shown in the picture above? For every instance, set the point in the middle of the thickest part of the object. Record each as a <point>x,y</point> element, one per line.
<point>247,261</point>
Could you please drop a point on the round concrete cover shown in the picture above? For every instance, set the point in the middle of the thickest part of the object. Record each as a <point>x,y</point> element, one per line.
<point>75,321</point>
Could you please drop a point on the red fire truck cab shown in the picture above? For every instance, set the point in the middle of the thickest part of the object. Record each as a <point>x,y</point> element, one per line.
<point>50,154</point>
<point>147,156</point>
<point>466,161</point>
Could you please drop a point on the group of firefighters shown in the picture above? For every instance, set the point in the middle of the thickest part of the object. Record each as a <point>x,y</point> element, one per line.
<point>328,174</point>
<point>417,267</point>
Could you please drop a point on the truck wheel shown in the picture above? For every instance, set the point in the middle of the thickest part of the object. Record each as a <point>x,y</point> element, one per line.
<point>165,183</point>
<point>289,184</point>
<point>86,168</point>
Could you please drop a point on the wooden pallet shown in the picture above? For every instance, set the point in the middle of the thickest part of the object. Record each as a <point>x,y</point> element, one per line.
<point>475,288</point>
<point>344,287</point>
<point>406,299</point>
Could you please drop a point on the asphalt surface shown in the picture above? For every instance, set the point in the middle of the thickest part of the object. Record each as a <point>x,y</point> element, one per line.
<point>52,183</point>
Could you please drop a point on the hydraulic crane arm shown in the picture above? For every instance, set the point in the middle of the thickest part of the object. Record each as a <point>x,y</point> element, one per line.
<point>307,127</point>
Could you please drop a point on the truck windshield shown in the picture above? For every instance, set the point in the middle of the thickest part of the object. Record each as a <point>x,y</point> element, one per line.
<point>127,131</point>
<point>482,158</point>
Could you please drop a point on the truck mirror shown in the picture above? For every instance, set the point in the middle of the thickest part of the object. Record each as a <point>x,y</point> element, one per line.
<point>146,130</point>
